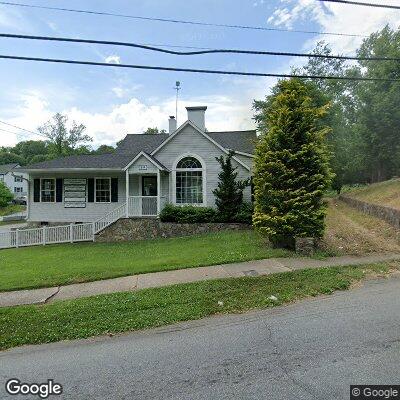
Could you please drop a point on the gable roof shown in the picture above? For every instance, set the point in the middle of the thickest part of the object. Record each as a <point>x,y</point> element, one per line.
<point>152,159</point>
<point>241,141</point>
<point>134,144</point>
<point>6,168</point>
<point>204,134</point>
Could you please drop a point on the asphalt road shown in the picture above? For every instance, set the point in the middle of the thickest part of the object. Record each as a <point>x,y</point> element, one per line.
<point>310,350</point>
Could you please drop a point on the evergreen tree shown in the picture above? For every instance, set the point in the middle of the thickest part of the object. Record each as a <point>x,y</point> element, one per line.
<point>291,164</point>
<point>5,195</point>
<point>229,192</point>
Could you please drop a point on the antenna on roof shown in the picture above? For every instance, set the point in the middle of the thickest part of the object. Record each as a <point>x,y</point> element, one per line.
<point>177,88</point>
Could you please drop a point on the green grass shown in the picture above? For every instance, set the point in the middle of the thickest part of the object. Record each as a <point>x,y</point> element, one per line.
<point>385,193</point>
<point>11,209</point>
<point>121,312</point>
<point>44,266</point>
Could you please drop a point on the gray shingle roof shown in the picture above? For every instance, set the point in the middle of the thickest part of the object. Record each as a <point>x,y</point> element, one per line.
<point>5,168</point>
<point>243,141</point>
<point>132,145</point>
<point>85,161</point>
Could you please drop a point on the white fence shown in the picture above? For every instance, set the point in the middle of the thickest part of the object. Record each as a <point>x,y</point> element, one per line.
<point>138,206</point>
<point>47,235</point>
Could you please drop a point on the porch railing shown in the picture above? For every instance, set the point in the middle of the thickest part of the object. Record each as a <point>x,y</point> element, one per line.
<point>109,218</point>
<point>142,206</point>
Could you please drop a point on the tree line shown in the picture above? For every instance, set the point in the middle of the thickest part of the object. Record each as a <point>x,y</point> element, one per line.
<point>60,140</point>
<point>364,115</point>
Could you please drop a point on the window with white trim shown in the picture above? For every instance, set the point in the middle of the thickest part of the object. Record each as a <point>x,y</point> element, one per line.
<point>189,181</point>
<point>17,178</point>
<point>48,190</point>
<point>17,189</point>
<point>103,190</point>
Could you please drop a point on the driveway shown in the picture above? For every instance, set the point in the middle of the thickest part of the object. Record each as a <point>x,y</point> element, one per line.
<point>310,350</point>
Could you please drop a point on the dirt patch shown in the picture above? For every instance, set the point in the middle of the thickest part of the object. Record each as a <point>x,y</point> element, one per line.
<point>349,231</point>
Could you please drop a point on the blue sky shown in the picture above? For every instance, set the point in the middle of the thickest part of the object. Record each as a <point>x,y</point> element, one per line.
<point>112,102</point>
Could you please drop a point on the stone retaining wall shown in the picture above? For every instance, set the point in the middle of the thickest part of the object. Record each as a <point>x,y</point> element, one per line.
<point>390,215</point>
<point>150,228</point>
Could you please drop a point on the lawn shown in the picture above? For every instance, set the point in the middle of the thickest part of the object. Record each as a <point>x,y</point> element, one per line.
<point>385,193</point>
<point>11,209</point>
<point>121,312</point>
<point>43,266</point>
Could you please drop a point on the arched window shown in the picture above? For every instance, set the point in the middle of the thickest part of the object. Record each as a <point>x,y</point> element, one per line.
<point>189,181</point>
<point>188,163</point>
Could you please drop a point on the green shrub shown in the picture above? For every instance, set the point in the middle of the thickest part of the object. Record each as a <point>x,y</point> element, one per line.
<point>245,213</point>
<point>187,214</point>
<point>229,192</point>
<point>5,195</point>
<point>291,164</point>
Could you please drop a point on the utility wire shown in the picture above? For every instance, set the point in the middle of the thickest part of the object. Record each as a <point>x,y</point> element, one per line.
<point>362,3</point>
<point>22,129</point>
<point>198,52</point>
<point>201,71</point>
<point>175,21</point>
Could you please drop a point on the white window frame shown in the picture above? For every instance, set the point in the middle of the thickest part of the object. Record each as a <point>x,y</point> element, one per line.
<point>55,190</point>
<point>95,189</point>
<point>204,179</point>
<point>18,189</point>
<point>17,179</point>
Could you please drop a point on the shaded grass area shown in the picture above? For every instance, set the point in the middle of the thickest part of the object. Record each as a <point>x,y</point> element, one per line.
<point>45,266</point>
<point>385,193</point>
<point>11,209</point>
<point>121,312</point>
<point>349,231</point>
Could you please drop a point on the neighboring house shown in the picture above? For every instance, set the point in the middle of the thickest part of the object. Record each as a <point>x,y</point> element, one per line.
<point>15,180</point>
<point>145,172</point>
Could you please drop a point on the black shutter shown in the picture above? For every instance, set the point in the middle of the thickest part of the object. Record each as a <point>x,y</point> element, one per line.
<point>36,190</point>
<point>90,182</point>
<point>59,190</point>
<point>114,190</point>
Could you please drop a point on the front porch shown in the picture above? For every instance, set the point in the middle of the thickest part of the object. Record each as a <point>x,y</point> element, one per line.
<point>146,187</point>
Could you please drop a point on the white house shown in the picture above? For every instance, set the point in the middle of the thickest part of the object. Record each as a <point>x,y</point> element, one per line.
<point>144,173</point>
<point>15,180</point>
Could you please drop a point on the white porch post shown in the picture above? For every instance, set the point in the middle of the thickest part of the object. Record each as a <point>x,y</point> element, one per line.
<point>158,192</point>
<point>127,192</point>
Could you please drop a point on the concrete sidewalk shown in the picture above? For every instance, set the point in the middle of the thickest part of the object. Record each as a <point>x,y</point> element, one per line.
<point>165,278</point>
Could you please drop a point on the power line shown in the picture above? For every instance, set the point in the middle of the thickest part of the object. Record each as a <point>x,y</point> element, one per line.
<point>201,71</point>
<point>175,21</point>
<point>198,52</point>
<point>22,129</point>
<point>362,3</point>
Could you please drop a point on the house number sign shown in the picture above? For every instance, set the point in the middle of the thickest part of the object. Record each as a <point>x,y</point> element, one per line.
<point>142,167</point>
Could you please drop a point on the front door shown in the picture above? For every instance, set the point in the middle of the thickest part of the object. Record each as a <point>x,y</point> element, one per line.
<point>149,186</point>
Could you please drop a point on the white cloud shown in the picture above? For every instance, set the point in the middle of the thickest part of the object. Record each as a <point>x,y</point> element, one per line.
<point>11,18</point>
<point>133,116</point>
<point>340,18</point>
<point>122,91</point>
<point>114,59</point>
